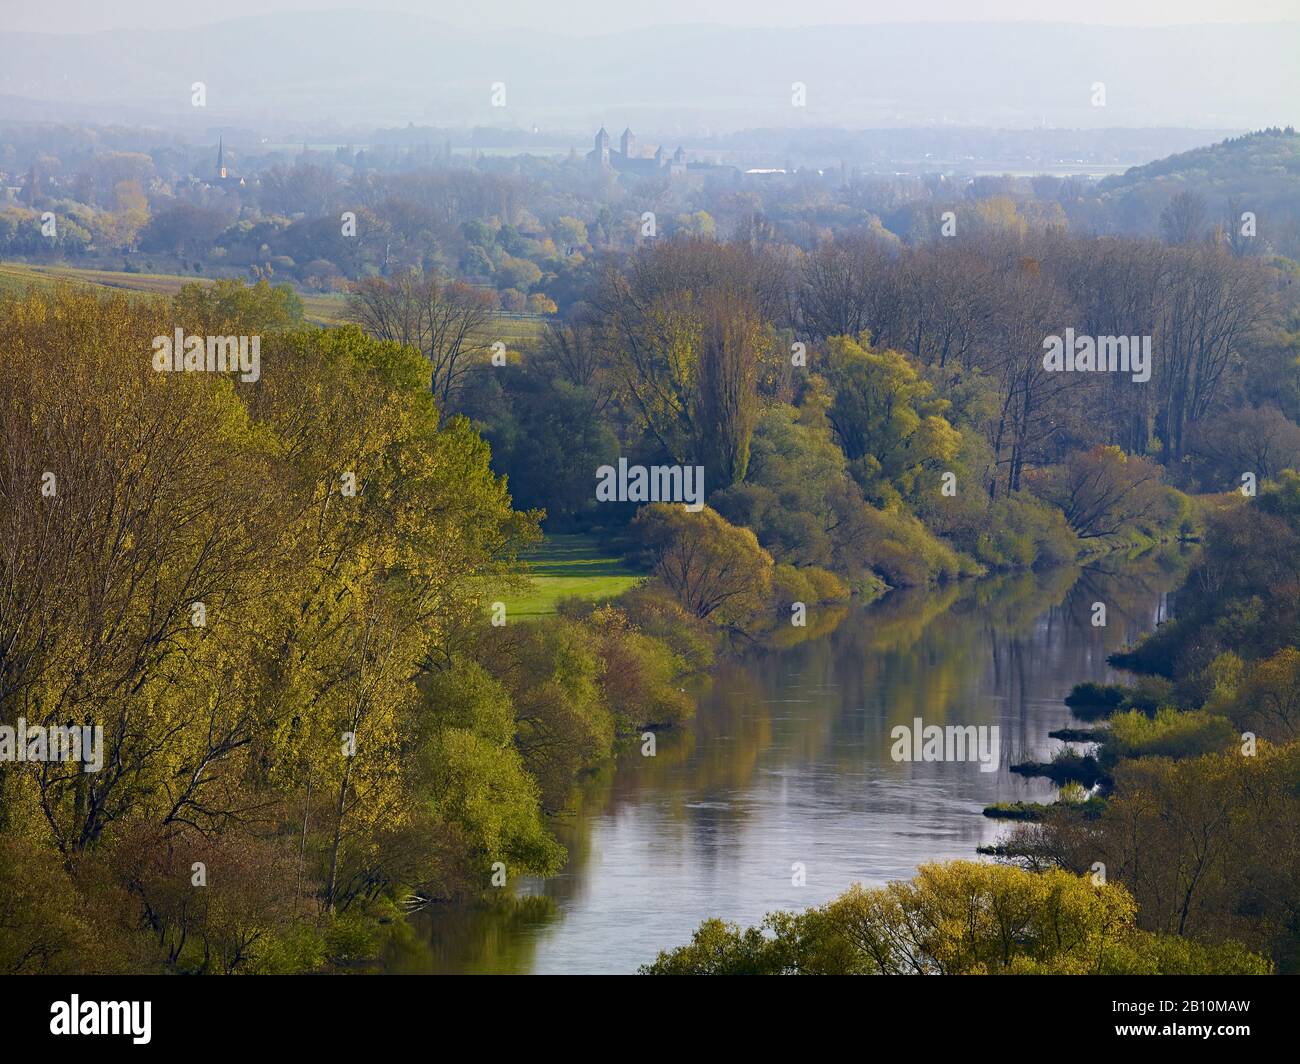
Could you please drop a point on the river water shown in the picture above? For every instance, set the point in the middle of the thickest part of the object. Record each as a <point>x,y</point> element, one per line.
<point>788,764</point>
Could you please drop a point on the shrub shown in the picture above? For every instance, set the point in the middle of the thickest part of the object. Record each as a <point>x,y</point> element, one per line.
<point>906,553</point>
<point>790,585</point>
<point>654,611</point>
<point>826,586</point>
<point>1168,734</point>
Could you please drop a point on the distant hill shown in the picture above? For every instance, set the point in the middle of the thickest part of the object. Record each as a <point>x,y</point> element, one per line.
<point>1267,159</point>
<point>338,69</point>
<point>1259,172</point>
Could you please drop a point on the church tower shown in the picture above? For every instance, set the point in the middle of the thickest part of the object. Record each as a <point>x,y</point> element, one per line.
<point>602,147</point>
<point>221,164</point>
<point>628,143</point>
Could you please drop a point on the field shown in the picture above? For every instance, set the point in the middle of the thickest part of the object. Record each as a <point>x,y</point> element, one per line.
<point>570,566</point>
<point>319,309</point>
<point>18,276</point>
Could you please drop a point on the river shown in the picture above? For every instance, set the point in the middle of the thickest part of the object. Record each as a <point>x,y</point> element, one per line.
<point>788,764</point>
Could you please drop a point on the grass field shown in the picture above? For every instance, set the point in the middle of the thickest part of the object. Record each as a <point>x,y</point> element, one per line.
<point>319,309</point>
<point>19,275</point>
<point>570,566</point>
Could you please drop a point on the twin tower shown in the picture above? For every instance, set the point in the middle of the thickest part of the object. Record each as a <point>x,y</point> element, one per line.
<point>629,161</point>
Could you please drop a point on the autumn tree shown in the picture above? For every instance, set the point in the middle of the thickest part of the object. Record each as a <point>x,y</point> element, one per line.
<point>1102,491</point>
<point>714,569</point>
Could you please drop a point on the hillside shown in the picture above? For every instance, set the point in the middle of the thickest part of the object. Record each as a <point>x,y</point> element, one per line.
<point>1258,172</point>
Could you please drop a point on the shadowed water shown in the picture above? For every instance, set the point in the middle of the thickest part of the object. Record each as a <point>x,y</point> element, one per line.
<point>788,762</point>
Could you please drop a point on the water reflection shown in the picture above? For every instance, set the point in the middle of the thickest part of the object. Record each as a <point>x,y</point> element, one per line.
<point>788,762</point>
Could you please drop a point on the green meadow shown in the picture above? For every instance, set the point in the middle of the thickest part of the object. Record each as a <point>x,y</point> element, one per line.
<point>318,308</point>
<point>573,566</point>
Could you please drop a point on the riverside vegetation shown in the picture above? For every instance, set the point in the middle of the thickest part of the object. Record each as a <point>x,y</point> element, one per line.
<point>1193,827</point>
<point>341,733</point>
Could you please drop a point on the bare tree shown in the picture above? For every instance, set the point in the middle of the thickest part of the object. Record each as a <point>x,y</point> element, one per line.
<point>1183,219</point>
<point>445,322</point>
<point>848,287</point>
<point>1213,305</point>
<point>1030,395</point>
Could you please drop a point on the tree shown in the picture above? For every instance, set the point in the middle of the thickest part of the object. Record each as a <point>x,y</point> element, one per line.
<point>1268,702</point>
<point>1102,491</point>
<point>1031,396</point>
<point>242,584</point>
<point>230,307</point>
<point>1183,219</point>
<point>1212,306</point>
<point>183,229</point>
<point>304,188</point>
<point>887,420</point>
<point>570,231</point>
<point>120,227</point>
<point>653,319</point>
<point>796,491</point>
<point>726,402</point>
<point>1259,440</point>
<point>847,289</point>
<point>444,322</point>
<point>714,569</point>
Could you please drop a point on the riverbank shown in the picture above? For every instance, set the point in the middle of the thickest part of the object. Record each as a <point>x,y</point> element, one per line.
<point>787,761</point>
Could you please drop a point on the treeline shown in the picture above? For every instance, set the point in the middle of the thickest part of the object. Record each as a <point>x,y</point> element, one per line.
<point>527,229</point>
<point>272,597</point>
<point>885,412</point>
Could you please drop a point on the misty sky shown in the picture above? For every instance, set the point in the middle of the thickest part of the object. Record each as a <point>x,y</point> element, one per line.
<point>581,16</point>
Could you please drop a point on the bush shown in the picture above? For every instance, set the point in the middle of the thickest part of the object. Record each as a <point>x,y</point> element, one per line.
<point>826,586</point>
<point>639,676</point>
<point>1019,532</point>
<point>906,553</point>
<point>790,585</point>
<point>1096,699</point>
<point>960,918</point>
<point>654,611</point>
<point>43,929</point>
<point>1168,734</point>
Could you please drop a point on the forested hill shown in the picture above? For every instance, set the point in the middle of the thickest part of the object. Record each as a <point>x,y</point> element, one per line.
<point>1269,157</point>
<point>1259,171</point>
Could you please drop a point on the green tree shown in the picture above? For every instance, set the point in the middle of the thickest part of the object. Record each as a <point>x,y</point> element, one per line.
<point>960,918</point>
<point>887,420</point>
